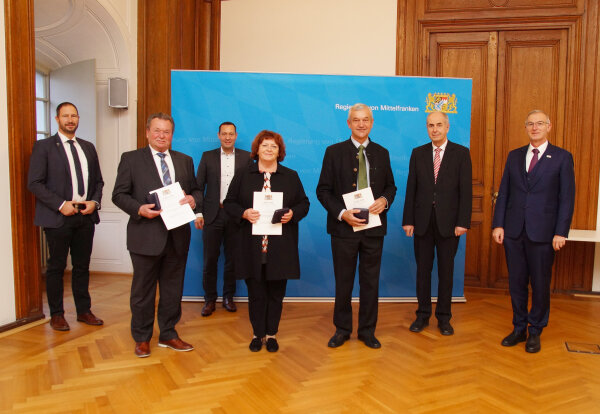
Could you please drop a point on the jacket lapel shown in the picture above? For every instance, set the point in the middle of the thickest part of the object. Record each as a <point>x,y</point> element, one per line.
<point>542,164</point>
<point>446,160</point>
<point>522,165</point>
<point>151,166</point>
<point>63,156</point>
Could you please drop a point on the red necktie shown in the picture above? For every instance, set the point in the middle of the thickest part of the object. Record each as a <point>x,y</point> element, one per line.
<point>534,160</point>
<point>437,161</point>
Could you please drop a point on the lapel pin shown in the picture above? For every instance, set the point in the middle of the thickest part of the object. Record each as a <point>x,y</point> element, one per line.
<point>548,156</point>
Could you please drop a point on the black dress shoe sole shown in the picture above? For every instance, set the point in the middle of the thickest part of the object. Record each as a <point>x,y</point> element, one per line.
<point>337,343</point>
<point>370,343</point>
<point>418,329</point>
<point>515,341</point>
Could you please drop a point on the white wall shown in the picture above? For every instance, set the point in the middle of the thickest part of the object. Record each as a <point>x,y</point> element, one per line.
<point>106,31</point>
<point>350,37</point>
<point>7,281</point>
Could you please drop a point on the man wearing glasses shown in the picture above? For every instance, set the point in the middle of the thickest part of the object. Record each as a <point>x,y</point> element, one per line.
<point>532,219</point>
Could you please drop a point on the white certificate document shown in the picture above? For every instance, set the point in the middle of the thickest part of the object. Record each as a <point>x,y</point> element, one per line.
<point>362,199</point>
<point>266,204</point>
<point>173,213</point>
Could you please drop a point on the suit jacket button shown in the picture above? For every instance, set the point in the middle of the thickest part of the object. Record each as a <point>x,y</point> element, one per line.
<point>356,169</point>
<point>353,184</point>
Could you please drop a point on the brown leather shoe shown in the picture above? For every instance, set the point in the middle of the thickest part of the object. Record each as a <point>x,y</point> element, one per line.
<point>89,318</point>
<point>142,349</point>
<point>176,344</point>
<point>229,304</point>
<point>59,323</point>
<point>208,308</point>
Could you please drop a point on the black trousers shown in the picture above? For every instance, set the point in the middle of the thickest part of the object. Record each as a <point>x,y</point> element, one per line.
<point>529,262</point>
<point>221,231</point>
<point>445,248</point>
<point>77,236</point>
<point>265,304</point>
<point>167,270</point>
<point>346,252</point>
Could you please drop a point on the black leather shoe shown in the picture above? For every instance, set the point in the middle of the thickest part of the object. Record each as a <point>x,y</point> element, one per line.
<point>256,344</point>
<point>419,324</point>
<point>370,341</point>
<point>533,344</point>
<point>514,338</point>
<point>272,345</point>
<point>445,328</point>
<point>229,305</point>
<point>208,308</point>
<point>337,339</point>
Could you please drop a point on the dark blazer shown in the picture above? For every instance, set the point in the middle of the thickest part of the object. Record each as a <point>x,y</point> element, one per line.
<point>283,261</point>
<point>542,201</point>
<point>136,177</point>
<point>49,180</point>
<point>208,179</point>
<point>452,193</point>
<point>339,175</point>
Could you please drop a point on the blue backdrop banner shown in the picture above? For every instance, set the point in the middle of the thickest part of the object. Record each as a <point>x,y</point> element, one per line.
<point>310,112</point>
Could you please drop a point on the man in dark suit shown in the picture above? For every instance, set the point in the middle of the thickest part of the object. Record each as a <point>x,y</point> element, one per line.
<point>215,172</point>
<point>158,255</point>
<point>65,177</point>
<point>437,211</point>
<point>532,219</point>
<point>348,166</point>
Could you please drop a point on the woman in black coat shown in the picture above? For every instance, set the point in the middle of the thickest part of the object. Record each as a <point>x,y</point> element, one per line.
<point>266,263</point>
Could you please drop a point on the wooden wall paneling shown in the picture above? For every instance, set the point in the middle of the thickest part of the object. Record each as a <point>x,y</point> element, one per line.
<point>172,34</point>
<point>20,70</point>
<point>576,118</point>
<point>584,134</point>
<point>499,7</point>
<point>532,68</point>
<point>474,55</point>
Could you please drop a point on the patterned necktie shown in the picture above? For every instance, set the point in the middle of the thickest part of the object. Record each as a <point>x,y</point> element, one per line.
<point>534,160</point>
<point>266,189</point>
<point>362,168</point>
<point>166,176</point>
<point>437,161</point>
<point>78,171</point>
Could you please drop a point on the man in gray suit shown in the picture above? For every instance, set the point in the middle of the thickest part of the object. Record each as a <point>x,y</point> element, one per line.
<point>158,255</point>
<point>64,176</point>
<point>215,172</point>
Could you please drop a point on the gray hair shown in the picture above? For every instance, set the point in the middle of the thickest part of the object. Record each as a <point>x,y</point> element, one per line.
<point>537,111</point>
<point>359,107</point>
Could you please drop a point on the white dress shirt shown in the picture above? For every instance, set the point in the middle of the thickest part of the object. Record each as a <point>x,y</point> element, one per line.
<point>169,162</point>
<point>84,167</point>
<point>529,156</point>
<point>227,172</point>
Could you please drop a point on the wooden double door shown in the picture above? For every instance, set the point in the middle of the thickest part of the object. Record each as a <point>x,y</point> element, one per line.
<point>513,72</point>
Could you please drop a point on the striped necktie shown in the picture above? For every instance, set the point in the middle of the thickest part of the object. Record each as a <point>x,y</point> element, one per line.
<point>437,161</point>
<point>166,176</point>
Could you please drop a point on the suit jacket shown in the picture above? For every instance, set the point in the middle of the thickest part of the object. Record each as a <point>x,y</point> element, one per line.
<point>49,179</point>
<point>452,193</point>
<point>208,179</point>
<point>283,261</point>
<point>542,201</point>
<point>136,177</point>
<point>339,175</point>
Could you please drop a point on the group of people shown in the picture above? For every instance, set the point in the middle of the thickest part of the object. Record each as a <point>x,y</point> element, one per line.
<point>532,218</point>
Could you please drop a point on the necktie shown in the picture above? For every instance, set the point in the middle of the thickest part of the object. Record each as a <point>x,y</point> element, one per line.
<point>362,168</point>
<point>166,177</point>
<point>78,172</point>
<point>534,160</point>
<point>437,161</point>
<point>266,189</point>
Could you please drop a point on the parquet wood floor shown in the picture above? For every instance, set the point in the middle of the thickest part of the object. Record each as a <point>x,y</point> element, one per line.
<point>94,370</point>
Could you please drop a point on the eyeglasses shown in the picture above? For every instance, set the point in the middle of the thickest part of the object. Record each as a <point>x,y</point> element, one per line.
<point>538,124</point>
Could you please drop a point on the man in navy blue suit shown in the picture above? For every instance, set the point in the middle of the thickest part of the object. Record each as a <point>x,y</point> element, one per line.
<point>64,175</point>
<point>532,219</point>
